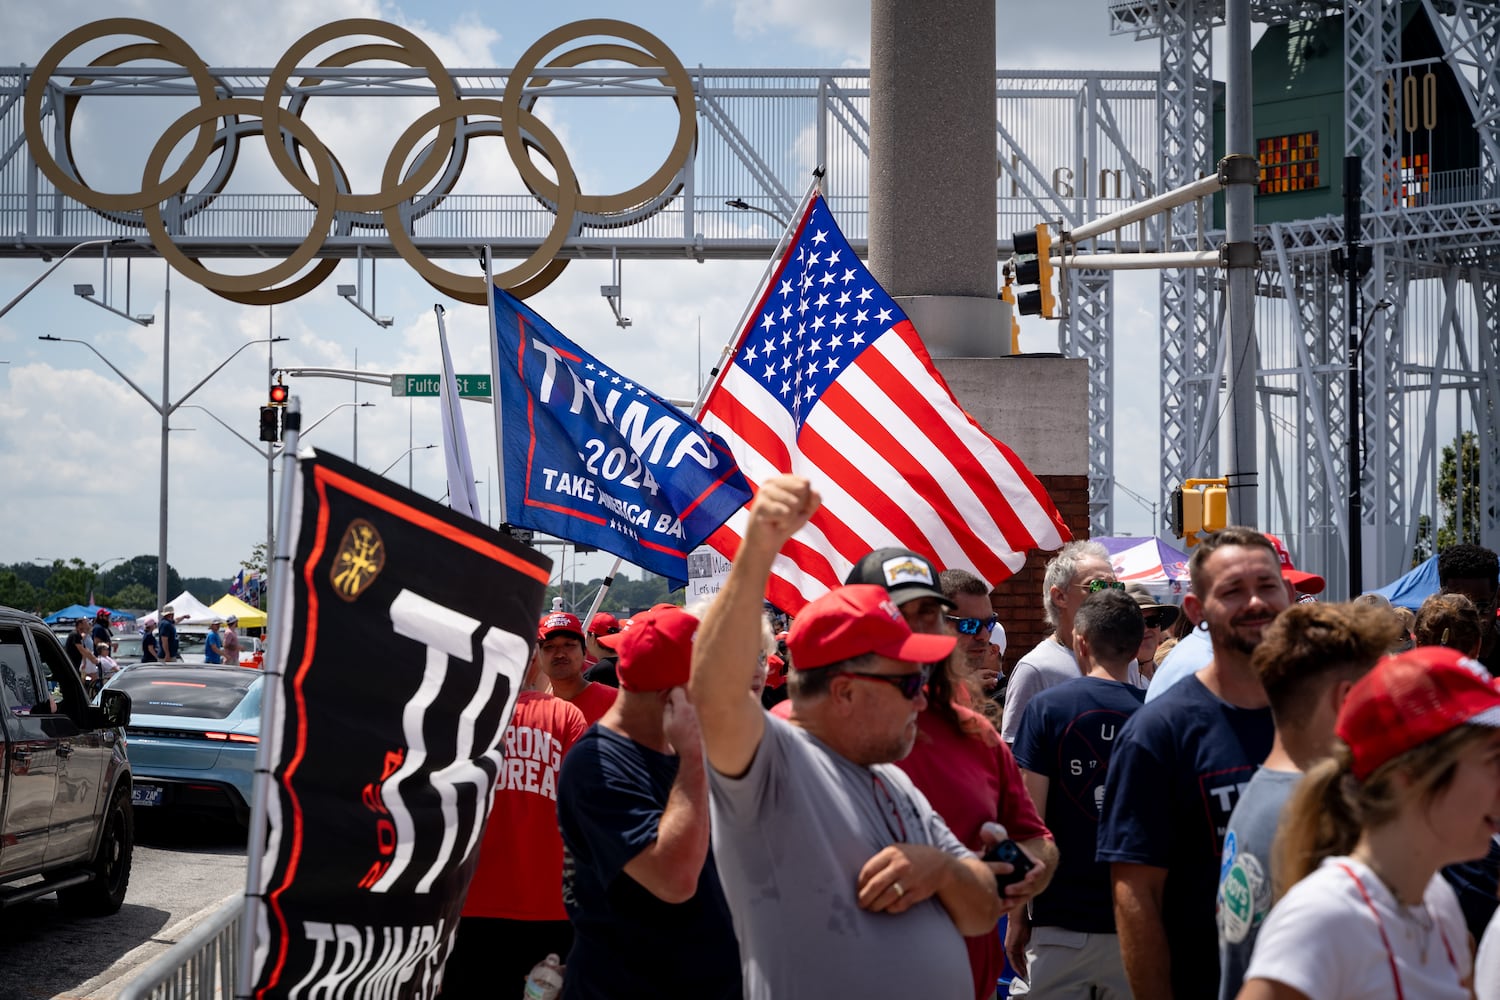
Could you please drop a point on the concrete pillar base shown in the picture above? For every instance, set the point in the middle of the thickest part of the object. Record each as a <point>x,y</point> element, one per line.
<point>960,326</point>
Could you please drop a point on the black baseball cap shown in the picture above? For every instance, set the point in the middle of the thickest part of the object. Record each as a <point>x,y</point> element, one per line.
<point>906,575</point>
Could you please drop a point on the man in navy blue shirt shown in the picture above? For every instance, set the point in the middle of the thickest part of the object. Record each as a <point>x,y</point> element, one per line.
<point>640,886</point>
<point>1179,766</point>
<point>1064,744</point>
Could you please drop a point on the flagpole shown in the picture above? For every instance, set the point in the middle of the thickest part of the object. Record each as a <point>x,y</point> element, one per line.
<point>278,603</point>
<point>495,382</point>
<point>814,187</point>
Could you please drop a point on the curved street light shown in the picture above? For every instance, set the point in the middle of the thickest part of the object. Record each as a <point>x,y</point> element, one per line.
<point>116,242</point>
<point>420,447</point>
<point>164,409</point>
<point>745,206</point>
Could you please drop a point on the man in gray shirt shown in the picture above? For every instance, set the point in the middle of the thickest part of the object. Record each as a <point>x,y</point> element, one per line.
<point>841,879</point>
<point>1307,660</point>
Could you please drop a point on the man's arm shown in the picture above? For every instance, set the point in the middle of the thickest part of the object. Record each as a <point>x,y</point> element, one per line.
<point>1138,892</point>
<point>670,867</point>
<point>727,649</point>
<point>965,886</point>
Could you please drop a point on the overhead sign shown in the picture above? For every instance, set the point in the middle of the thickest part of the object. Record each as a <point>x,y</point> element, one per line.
<point>477,386</point>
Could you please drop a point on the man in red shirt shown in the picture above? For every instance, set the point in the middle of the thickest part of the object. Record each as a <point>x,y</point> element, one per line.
<point>559,652</point>
<point>513,916</point>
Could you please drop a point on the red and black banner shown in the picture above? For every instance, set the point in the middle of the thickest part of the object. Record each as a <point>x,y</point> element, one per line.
<point>409,628</point>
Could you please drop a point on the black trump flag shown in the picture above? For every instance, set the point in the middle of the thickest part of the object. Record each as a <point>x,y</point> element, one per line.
<point>408,629</point>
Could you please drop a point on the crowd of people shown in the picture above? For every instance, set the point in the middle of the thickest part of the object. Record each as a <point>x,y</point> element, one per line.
<point>91,644</point>
<point>1255,795</point>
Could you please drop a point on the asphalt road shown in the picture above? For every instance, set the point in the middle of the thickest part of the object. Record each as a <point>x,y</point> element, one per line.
<point>178,878</point>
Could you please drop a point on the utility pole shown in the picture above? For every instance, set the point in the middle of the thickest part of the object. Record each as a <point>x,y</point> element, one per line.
<point>1356,265</point>
<point>1240,255</point>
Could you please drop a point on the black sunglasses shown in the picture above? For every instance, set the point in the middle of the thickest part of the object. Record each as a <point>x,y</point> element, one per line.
<point>910,685</point>
<point>973,626</point>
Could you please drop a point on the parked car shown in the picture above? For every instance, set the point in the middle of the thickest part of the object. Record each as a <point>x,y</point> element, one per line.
<point>65,811</point>
<point>193,734</point>
<point>127,648</point>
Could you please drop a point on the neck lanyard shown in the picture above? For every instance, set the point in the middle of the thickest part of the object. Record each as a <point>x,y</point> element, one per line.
<point>1390,953</point>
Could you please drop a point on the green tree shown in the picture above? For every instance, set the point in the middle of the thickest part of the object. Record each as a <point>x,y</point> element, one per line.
<point>142,570</point>
<point>134,595</point>
<point>1458,500</point>
<point>16,592</point>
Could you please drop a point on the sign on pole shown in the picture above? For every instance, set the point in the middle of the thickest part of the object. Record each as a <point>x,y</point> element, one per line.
<point>474,386</point>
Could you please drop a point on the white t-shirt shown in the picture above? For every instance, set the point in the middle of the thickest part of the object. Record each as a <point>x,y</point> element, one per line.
<point>1487,964</point>
<point>1049,664</point>
<point>1324,939</point>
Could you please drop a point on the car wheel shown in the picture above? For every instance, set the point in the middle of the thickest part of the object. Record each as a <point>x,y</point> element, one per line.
<point>105,893</point>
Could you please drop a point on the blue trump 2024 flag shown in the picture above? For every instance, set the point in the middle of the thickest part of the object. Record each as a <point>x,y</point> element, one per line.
<point>597,458</point>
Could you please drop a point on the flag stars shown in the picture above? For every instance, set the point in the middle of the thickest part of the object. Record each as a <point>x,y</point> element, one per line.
<point>810,393</point>
<point>768,346</point>
<point>786,287</point>
<point>865,294</point>
<point>831,364</point>
<point>835,341</point>
<point>822,301</point>
<point>817,323</point>
<point>786,387</point>
<point>843,298</point>
<point>814,347</point>
<point>819,238</point>
<point>786,338</point>
<point>628,386</point>
<point>857,339</point>
<point>827,279</point>
<point>786,362</point>
<point>806,282</point>
<point>589,366</point>
<point>768,321</point>
<point>786,313</point>
<point>802,307</point>
<point>812,371</point>
<point>839,319</point>
<point>883,316</point>
<point>770,373</point>
<point>812,258</point>
<point>750,354</point>
<point>861,316</point>
<point>834,255</point>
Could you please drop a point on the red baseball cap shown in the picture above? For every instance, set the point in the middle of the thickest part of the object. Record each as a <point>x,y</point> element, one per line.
<point>856,619</point>
<point>1411,698</point>
<point>559,621</point>
<point>1305,583</point>
<point>656,651</point>
<point>603,623</point>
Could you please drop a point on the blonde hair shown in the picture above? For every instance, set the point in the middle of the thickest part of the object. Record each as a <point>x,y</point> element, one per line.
<point>1452,620</point>
<point>1330,807</point>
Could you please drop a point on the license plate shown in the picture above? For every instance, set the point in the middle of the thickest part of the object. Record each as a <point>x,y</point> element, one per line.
<point>145,795</point>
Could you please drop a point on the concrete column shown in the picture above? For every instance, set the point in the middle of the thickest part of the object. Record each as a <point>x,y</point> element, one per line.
<point>932,170</point>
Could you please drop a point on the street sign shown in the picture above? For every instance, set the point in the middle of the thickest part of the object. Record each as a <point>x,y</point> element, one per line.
<point>477,386</point>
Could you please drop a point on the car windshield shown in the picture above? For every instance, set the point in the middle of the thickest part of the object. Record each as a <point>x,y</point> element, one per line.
<point>191,693</point>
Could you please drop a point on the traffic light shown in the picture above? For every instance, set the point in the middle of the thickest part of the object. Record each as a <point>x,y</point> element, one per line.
<point>270,423</point>
<point>1008,295</point>
<point>279,394</point>
<point>1034,267</point>
<point>1200,506</point>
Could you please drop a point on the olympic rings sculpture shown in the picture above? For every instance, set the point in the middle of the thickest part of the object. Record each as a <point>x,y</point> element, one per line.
<point>220,123</point>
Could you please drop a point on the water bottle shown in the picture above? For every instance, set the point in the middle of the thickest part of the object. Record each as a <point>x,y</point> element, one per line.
<point>545,980</point>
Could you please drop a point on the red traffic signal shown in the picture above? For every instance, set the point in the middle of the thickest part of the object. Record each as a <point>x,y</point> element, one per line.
<point>279,394</point>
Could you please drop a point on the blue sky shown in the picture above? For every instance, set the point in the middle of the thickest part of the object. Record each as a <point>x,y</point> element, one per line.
<point>79,450</point>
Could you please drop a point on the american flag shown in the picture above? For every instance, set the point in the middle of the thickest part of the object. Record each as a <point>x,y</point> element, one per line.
<point>830,381</point>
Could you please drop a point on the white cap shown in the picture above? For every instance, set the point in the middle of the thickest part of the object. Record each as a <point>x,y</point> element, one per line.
<point>997,637</point>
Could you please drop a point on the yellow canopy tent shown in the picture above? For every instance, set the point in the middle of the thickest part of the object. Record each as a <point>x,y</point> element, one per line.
<point>249,615</point>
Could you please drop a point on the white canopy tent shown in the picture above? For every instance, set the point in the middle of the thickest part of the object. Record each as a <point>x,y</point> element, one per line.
<point>187,611</point>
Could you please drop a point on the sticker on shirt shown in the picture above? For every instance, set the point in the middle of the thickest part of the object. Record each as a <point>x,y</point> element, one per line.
<point>1244,897</point>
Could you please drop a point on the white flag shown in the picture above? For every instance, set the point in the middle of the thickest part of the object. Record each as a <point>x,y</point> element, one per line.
<point>462,493</point>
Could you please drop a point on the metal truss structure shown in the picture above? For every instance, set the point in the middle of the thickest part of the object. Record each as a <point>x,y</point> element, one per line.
<point>1070,147</point>
<point>1431,331</point>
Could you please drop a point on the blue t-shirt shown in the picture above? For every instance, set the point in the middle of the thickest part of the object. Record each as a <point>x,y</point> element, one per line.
<point>166,631</point>
<point>1068,734</point>
<point>211,646</point>
<point>1179,766</point>
<point>627,942</point>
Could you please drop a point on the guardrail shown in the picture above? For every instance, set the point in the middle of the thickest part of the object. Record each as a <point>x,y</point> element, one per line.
<point>199,967</point>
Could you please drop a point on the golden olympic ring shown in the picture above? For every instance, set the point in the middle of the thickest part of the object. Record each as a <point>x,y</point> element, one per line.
<point>177,51</point>
<point>405,195</point>
<point>324,197</point>
<point>447,96</point>
<point>471,289</point>
<point>665,59</point>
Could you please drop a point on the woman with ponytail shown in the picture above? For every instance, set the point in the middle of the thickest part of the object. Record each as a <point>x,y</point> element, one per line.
<point>1414,784</point>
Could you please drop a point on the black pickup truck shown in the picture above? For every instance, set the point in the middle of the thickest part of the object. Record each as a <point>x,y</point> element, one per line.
<point>66,824</point>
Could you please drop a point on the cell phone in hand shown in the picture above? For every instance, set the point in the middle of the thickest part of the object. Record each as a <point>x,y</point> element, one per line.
<point>1011,853</point>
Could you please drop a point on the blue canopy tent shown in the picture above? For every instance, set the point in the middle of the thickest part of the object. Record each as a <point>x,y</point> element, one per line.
<point>117,619</point>
<point>1411,589</point>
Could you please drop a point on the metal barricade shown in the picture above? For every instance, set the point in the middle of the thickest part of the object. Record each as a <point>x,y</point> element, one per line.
<point>199,967</point>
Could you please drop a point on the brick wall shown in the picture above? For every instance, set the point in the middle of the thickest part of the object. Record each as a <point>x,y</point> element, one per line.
<point>1018,600</point>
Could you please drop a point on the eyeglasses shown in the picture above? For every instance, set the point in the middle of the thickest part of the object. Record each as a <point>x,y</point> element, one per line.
<point>1094,586</point>
<point>1153,620</point>
<point>973,626</point>
<point>910,685</point>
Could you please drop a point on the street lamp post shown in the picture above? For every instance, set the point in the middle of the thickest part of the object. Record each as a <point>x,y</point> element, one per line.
<point>165,410</point>
<point>745,206</point>
<point>420,447</point>
<point>120,241</point>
